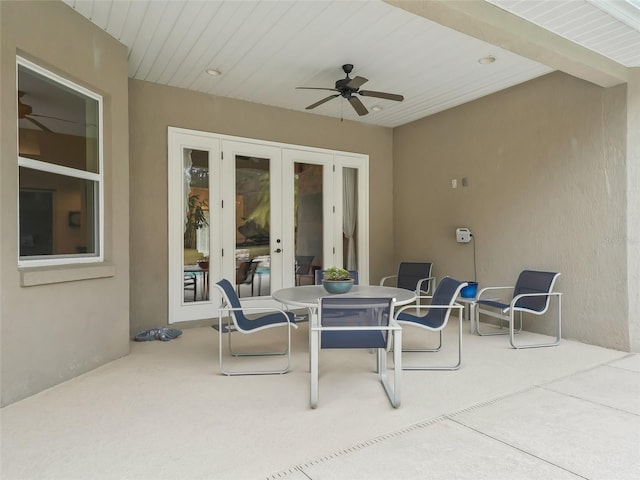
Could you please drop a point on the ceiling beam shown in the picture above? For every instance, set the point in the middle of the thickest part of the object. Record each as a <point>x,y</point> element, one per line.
<point>491,24</point>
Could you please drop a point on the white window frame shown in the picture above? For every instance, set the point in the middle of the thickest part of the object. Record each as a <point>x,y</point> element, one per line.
<point>98,178</point>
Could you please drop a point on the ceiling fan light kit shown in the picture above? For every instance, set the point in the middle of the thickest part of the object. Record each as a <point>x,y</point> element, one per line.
<point>348,88</point>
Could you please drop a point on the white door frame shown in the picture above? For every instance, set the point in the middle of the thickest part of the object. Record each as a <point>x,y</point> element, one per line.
<point>222,188</point>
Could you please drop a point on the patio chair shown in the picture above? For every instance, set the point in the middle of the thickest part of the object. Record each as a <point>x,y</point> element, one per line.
<point>531,294</point>
<point>303,267</point>
<point>245,274</point>
<point>414,276</point>
<point>352,273</point>
<point>190,284</point>
<point>238,322</point>
<point>358,322</point>
<point>434,317</point>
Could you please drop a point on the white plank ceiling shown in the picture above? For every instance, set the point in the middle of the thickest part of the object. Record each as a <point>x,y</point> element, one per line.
<point>265,49</point>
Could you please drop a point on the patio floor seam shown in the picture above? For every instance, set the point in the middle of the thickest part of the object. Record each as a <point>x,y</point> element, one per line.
<point>416,426</point>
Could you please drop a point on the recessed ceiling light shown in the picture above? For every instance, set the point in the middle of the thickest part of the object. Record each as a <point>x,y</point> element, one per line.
<point>376,108</point>
<point>213,72</point>
<point>487,60</point>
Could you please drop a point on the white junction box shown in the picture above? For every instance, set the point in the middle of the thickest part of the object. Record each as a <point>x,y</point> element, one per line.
<point>463,235</point>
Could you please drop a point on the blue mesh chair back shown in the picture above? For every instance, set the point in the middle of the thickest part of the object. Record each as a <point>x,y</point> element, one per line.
<point>303,264</point>
<point>410,273</point>
<point>445,295</point>
<point>534,282</point>
<point>239,318</point>
<point>233,308</point>
<point>355,312</point>
<point>352,273</point>
<point>245,273</point>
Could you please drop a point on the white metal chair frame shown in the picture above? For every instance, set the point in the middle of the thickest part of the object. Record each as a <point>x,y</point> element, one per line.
<point>418,308</point>
<point>394,330</point>
<point>226,327</point>
<point>507,314</point>
<point>431,283</point>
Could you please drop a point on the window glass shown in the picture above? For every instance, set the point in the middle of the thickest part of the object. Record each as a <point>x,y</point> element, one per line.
<point>56,124</point>
<point>56,214</point>
<point>196,225</point>
<point>59,159</point>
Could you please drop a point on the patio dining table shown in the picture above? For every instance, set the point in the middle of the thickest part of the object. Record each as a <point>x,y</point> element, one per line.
<point>308,295</point>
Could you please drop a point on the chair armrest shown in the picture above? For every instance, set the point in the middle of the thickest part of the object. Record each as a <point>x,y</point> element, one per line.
<point>424,297</point>
<point>540,294</point>
<point>386,278</point>
<point>426,307</point>
<point>486,289</point>
<point>261,310</point>
<point>431,285</point>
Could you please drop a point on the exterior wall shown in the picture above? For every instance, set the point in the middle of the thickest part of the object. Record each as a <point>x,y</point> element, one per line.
<point>154,107</point>
<point>70,320</point>
<point>546,167</point>
<point>633,205</point>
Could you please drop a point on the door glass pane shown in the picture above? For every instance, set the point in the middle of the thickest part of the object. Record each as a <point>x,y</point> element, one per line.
<point>350,217</point>
<point>197,225</point>
<point>308,221</point>
<point>253,214</point>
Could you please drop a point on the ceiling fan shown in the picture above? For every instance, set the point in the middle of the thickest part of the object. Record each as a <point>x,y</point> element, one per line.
<point>348,87</point>
<point>25,111</point>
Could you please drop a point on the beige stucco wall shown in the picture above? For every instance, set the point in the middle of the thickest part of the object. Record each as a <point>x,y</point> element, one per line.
<point>154,107</point>
<point>52,332</point>
<point>633,205</point>
<point>545,163</point>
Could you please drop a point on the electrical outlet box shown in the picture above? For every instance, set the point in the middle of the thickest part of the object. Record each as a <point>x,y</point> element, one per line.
<point>463,235</point>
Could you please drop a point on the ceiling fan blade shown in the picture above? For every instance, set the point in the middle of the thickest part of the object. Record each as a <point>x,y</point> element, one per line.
<point>386,96</point>
<point>318,88</point>
<point>358,106</point>
<point>52,118</point>
<point>38,124</point>
<point>357,82</point>
<point>318,103</point>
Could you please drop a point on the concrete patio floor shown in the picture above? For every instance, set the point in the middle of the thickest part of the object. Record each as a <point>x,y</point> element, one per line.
<point>165,412</point>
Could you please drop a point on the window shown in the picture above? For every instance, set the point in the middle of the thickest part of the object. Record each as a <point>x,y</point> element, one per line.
<point>60,169</point>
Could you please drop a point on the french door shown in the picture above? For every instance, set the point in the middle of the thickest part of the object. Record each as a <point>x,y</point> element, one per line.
<point>261,214</point>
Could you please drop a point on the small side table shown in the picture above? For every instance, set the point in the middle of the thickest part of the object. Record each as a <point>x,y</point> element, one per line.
<point>469,311</point>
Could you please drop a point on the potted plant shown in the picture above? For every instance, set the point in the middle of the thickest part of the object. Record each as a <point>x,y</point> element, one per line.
<point>337,280</point>
<point>203,263</point>
<point>195,218</point>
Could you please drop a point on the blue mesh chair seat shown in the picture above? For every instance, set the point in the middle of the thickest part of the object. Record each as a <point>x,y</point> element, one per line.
<point>359,323</point>
<point>434,317</point>
<point>415,276</point>
<point>233,311</point>
<point>531,294</point>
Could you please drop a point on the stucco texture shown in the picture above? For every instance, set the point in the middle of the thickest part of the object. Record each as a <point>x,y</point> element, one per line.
<point>154,107</point>
<point>52,332</point>
<point>545,167</point>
